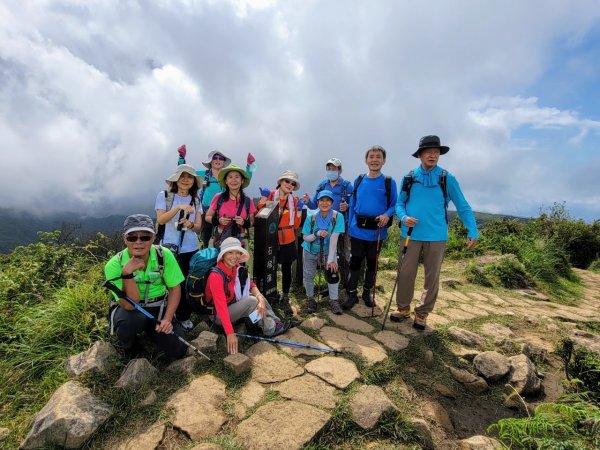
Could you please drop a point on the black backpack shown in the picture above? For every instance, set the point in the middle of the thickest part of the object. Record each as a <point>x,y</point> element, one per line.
<point>232,230</point>
<point>409,180</point>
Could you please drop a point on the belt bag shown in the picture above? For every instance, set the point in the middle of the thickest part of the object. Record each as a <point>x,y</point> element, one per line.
<point>370,222</point>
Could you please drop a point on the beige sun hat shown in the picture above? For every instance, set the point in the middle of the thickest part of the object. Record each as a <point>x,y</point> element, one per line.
<point>289,175</point>
<point>183,168</point>
<point>232,244</point>
<point>210,157</point>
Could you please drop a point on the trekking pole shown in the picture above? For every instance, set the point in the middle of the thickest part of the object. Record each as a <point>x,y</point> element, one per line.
<point>121,294</point>
<point>401,259</point>
<point>320,264</point>
<point>376,269</point>
<point>290,343</point>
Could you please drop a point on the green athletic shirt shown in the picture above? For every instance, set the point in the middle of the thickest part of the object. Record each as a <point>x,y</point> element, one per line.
<point>172,275</point>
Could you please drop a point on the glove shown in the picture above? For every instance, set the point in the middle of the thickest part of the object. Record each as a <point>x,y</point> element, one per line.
<point>264,191</point>
<point>300,205</point>
<point>250,159</point>
<point>182,151</point>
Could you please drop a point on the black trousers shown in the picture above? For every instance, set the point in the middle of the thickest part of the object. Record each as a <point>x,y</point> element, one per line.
<point>360,250</point>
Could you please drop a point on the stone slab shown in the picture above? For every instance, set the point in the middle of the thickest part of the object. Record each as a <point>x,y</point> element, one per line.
<point>308,389</point>
<point>335,370</point>
<point>357,344</point>
<point>296,335</point>
<point>350,323</point>
<point>269,366</point>
<point>392,341</point>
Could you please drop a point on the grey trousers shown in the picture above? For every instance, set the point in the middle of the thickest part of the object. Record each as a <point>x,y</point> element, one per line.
<point>244,307</point>
<point>309,270</point>
<point>433,256</point>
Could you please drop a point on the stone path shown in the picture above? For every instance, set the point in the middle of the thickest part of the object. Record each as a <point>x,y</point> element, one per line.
<point>307,384</point>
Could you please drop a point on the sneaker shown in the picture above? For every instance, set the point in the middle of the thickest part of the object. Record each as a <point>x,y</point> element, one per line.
<point>367,297</point>
<point>187,325</point>
<point>335,307</point>
<point>400,315</point>
<point>281,327</point>
<point>351,300</point>
<point>420,321</point>
<point>311,305</point>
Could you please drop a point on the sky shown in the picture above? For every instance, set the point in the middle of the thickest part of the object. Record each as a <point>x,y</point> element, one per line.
<point>96,96</point>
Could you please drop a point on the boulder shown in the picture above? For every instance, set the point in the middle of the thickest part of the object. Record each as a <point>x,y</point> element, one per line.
<point>238,363</point>
<point>423,432</point>
<point>148,439</point>
<point>138,372</point>
<point>479,443</point>
<point>466,337</point>
<point>184,366</point>
<point>150,399</point>
<point>368,405</point>
<point>70,418</point>
<point>535,352</point>
<point>466,353</point>
<point>428,359</point>
<point>198,407</point>
<point>523,375</point>
<point>281,425</point>
<point>439,415</point>
<point>205,342</point>
<point>443,390</point>
<point>491,365</point>
<point>337,371</point>
<point>269,366</point>
<point>308,389</point>
<point>99,358</point>
<point>472,383</point>
<point>589,341</point>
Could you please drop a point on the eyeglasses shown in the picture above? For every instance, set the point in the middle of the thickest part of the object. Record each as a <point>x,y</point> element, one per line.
<point>293,183</point>
<point>219,158</point>
<point>135,238</point>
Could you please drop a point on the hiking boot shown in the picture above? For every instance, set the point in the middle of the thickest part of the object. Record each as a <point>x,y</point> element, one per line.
<point>351,300</point>
<point>187,325</point>
<point>311,305</point>
<point>367,297</point>
<point>281,327</point>
<point>420,321</point>
<point>335,307</point>
<point>284,305</point>
<point>400,315</point>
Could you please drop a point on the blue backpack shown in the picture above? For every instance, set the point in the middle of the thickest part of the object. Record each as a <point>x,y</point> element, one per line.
<point>201,265</point>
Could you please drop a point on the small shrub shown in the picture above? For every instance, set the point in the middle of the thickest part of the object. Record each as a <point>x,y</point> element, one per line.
<point>545,261</point>
<point>595,266</point>
<point>509,273</point>
<point>582,365</point>
<point>476,275</point>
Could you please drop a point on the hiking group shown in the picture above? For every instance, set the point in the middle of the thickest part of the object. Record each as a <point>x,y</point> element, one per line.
<point>194,260</point>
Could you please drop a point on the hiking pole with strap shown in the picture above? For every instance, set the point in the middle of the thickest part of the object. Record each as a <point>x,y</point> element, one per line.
<point>401,259</point>
<point>376,269</point>
<point>290,343</point>
<point>121,294</point>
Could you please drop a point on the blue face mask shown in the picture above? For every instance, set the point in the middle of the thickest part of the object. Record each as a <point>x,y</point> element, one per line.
<point>332,175</point>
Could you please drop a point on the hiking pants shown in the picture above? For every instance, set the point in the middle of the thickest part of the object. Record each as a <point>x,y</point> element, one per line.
<point>433,255</point>
<point>128,324</point>
<point>242,308</point>
<point>183,310</point>
<point>309,269</point>
<point>360,250</point>
<point>206,231</point>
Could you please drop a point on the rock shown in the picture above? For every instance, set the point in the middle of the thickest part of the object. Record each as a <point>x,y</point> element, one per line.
<point>198,407</point>
<point>269,366</point>
<point>491,365</point>
<point>205,342</point>
<point>308,389</point>
<point>4,432</point>
<point>150,399</point>
<point>439,415</point>
<point>313,323</point>
<point>99,358</point>
<point>472,383</point>
<point>296,335</point>
<point>523,376</point>
<point>393,341</point>
<point>479,443</point>
<point>451,283</point>
<point>249,396</point>
<point>497,331</point>
<point>138,372</point>
<point>367,406</point>
<point>534,294</point>
<point>553,328</point>
<point>534,352</point>
<point>337,371</point>
<point>423,432</point>
<point>362,310</point>
<point>183,366</point>
<point>428,359</point>
<point>272,427</point>
<point>350,323</point>
<point>238,363</point>
<point>589,341</point>
<point>354,343</point>
<point>443,390</point>
<point>466,353</point>
<point>69,418</point>
<point>466,337</point>
<point>148,439</point>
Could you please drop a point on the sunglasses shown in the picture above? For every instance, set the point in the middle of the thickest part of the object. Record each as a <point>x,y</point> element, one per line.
<point>143,238</point>
<point>219,158</point>
<point>293,183</point>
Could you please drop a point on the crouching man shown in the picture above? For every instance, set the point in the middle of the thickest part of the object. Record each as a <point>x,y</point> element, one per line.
<point>149,275</point>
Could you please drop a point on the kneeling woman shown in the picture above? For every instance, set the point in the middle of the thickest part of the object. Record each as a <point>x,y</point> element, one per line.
<point>235,296</point>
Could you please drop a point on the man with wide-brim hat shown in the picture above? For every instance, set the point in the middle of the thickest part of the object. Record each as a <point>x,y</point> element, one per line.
<point>422,205</point>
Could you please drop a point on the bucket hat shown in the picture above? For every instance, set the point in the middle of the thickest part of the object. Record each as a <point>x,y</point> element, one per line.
<point>183,168</point>
<point>232,244</point>
<point>325,193</point>
<point>210,157</point>
<point>233,168</point>
<point>431,141</point>
<point>289,175</point>
<point>138,222</point>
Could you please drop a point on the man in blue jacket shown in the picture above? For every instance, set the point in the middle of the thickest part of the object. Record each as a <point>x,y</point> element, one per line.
<point>371,209</point>
<point>422,204</point>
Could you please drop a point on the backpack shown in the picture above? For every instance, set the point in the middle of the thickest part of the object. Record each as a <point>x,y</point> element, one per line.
<point>169,197</point>
<point>409,180</point>
<point>388,193</point>
<point>345,183</point>
<point>313,220</point>
<point>233,229</point>
<point>205,183</point>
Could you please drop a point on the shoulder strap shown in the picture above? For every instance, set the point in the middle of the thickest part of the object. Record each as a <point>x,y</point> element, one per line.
<point>160,258</point>
<point>321,186</point>
<point>220,202</point>
<point>388,190</point>
<point>169,197</point>
<point>444,187</point>
<point>313,219</point>
<point>243,203</point>
<point>407,183</point>
<point>225,279</point>
<point>357,184</point>
<point>207,175</point>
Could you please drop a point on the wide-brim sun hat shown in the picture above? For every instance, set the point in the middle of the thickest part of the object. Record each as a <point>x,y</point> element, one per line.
<point>232,244</point>
<point>289,175</point>
<point>325,193</point>
<point>233,168</point>
<point>183,168</point>
<point>210,157</point>
<point>431,141</point>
